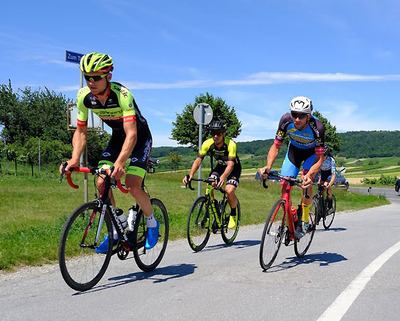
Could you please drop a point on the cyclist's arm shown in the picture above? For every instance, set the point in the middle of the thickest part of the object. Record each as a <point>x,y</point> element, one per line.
<point>316,167</point>
<point>272,155</point>
<point>193,170</point>
<point>78,144</point>
<point>229,168</point>
<point>333,177</point>
<point>130,129</point>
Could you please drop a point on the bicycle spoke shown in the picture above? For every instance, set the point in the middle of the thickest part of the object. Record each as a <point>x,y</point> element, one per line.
<point>229,234</point>
<point>301,246</point>
<point>198,224</point>
<point>273,234</point>
<point>148,260</point>
<point>81,267</point>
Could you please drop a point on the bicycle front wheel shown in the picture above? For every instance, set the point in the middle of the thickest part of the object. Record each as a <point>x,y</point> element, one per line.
<point>81,267</point>
<point>301,246</point>
<point>273,234</point>
<point>148,260</point>
<point>329,214</point>
<point>198,224</point>
<point>229,234</point>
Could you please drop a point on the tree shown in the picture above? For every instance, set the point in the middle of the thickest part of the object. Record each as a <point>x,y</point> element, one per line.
<point>175,160</point>
<point>332,138</point>
<point>186,131</point>
<point>39,113</point>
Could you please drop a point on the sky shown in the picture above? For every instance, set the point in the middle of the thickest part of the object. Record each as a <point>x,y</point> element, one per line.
<point>254,54</point>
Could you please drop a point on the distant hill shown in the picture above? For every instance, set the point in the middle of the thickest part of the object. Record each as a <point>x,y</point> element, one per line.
<point>356,144</point>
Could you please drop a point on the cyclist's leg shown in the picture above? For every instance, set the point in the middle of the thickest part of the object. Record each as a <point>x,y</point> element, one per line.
<point>231,186</point>
<point>134,178</point>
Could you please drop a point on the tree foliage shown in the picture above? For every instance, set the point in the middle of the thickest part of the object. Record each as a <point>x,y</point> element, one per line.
<point>27,114</point>
<point>186,131</point>
<point>332,138</point>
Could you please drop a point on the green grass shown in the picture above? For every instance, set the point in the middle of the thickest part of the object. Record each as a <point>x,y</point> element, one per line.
<point>33,210</point>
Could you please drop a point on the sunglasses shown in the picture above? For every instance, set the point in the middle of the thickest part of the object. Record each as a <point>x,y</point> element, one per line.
<point>299,115</point>
<point>95,78</point>
<point>217,133</point>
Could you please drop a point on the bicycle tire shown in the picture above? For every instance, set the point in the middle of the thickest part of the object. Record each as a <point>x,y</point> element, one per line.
<point>301,246</point>
<point>318,213</point>
<point>148,260</point>
<point>80,266</point>
<point>199,224</point>
<point>229,234</point>
<point>329,215</point>
<point>273,234</point>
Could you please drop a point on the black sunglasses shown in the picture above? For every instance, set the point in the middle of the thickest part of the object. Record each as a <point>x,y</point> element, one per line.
<point>216,133</point>
<point>299,115</point>
<point>95,78</point>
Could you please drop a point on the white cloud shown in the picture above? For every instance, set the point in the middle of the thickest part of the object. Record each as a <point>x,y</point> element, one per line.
<point>268,78</point>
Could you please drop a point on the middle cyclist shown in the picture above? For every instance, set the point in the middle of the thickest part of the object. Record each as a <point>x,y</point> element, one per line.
<point>228,167</point>
<point>306,144</point>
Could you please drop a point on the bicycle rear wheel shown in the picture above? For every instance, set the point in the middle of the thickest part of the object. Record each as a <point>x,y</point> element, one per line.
<point>148,260</point>
<point>80,266</point>
<point>273,234</point>
<point>301,246</point>
<point>329,214</point>
<point>229,234</point>
<point>198,224</point>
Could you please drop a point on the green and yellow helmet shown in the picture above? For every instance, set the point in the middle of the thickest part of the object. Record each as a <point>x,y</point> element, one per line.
<point>96,62</point>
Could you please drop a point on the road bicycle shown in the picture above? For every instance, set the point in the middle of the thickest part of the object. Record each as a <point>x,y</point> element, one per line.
<point>88,225</point>
<point>207,215</point>
<point>322,210</point>
<point>281,224</point>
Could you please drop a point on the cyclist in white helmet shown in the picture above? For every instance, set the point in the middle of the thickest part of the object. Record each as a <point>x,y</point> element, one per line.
<point>306,147</point>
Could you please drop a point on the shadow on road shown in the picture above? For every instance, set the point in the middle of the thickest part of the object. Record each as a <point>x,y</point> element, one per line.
<point>159,275</point>
<point>324,259</point>
<point>234,245</point>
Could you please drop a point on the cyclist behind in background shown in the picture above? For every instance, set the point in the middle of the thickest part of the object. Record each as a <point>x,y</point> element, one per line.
<point>228,167</point>
<point>328,168</point>
<point>130,139</point>
<point>306,145</point>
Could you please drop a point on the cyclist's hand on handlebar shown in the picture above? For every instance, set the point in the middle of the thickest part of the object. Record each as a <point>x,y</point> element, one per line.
<point>118,171</point>
<point>186,179</point>
<point>264,172</point>
<point>307,181</point>
<point>220,182</point>
<point>66,166</point>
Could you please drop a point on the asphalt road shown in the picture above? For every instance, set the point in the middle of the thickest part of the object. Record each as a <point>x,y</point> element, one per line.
<point>351,272</point>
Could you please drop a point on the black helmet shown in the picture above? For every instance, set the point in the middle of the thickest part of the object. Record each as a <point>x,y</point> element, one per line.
<point>217,126</point>
<point>327,150</point>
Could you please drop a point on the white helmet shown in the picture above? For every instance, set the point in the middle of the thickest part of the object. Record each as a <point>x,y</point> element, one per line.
<point>301,104</point>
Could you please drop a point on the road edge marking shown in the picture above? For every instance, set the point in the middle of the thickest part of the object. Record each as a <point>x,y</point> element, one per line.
<point>339,307</point>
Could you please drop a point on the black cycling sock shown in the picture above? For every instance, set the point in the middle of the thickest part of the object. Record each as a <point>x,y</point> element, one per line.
<point>233,211</point>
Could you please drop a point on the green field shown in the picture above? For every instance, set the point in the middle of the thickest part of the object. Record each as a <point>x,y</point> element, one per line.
<point>33,210</point>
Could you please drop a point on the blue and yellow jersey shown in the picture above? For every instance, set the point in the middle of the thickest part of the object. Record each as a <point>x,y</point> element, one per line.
<point>313,136</point>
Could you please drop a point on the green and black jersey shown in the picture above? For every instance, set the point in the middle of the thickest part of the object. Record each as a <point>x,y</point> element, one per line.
<point>221,155</point>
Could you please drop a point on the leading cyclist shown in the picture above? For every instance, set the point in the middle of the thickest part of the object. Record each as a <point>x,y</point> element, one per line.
<point>228,168</point>
<point>306,145</point>
<point>130,139</point>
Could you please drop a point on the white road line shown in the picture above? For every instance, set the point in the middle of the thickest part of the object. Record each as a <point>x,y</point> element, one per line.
<point>343,302</point>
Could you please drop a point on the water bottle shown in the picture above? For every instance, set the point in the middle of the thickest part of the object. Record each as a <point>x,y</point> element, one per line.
<point>293,210</point>
<point>131,219</point>
<point>121,217</point>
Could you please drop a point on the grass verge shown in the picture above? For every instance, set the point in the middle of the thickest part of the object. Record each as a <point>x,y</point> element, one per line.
<point>34,210</point>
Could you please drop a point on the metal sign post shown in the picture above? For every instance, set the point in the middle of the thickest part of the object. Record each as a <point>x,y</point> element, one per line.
<point>75,58</point>
<point>203,115</point>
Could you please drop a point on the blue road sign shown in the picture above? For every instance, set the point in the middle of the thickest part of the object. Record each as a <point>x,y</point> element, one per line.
<point>73,57</point>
